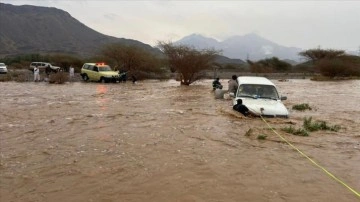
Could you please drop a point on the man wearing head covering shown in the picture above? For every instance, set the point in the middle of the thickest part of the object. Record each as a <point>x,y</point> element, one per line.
<point>216,84</point>
<point>233,84</point>
<point>241,108</point>
<point>36,73</point>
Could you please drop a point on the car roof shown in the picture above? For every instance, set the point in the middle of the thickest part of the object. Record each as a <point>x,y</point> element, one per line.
<point>96,64</point>
<point>254,80</point>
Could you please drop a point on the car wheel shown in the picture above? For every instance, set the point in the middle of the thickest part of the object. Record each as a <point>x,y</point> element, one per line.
<point>102,80</point>
<point>85,77</point>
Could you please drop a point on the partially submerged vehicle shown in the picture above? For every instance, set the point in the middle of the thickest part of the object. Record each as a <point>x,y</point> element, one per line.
<point>260,96</point>
<point>99,72</point>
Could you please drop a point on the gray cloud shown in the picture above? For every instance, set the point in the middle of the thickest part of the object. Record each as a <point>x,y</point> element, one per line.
<point>303,24</point>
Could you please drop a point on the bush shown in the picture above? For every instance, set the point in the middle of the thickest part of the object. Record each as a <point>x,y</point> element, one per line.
<point>301,107</point>
<point>269,65</point>
<point>5,77</point>
<point>343,66</point>
<point>261,137</point>
<point>299,131</point>
<point>59,78</point>
<point>318,125</point>
<point>249,132</point>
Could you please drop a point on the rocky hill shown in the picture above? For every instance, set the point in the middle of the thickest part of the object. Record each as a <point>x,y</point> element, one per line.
<point>33,29</point>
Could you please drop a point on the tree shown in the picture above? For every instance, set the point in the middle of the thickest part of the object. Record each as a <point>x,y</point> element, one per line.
<point>187,61</point>
<point>269,65</point>
<point>317,54</point>
<point>342,66</point>
<point>65,61</point>
<point>131,58</point>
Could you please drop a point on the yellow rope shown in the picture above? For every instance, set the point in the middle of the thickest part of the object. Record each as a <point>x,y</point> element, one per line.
<point>312,161</point>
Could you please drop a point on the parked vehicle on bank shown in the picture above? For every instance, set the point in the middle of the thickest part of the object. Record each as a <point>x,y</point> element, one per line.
<point>99,72</point>
<point>260,96</point>
<point>43,65</point>
<point>3,68</point>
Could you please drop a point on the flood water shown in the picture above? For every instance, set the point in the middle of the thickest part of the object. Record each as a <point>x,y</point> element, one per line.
<point>159,141</point>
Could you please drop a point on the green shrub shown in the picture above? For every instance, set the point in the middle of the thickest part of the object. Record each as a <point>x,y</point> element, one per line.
<point>249,132</point>
<point>342,66</point>
<point>261,137</point>
<point>301,107</point>
<point>311,126</point>
<point>298,132</point>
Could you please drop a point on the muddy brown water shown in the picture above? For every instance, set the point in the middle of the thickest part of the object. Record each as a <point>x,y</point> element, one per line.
<point>158,141</point>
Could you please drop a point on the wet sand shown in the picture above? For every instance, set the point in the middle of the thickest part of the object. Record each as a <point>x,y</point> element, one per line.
<point>158,141</point>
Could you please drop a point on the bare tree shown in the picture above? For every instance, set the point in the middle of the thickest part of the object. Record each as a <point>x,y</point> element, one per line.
<point>187,61</point>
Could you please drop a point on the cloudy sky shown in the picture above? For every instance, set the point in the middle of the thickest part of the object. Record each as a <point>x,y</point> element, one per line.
<point>303,24</point>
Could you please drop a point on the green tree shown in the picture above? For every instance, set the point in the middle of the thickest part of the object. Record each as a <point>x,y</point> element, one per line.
<point>131,58</point>
<point>187,61</point>
<point>317,54</point>
<point>342,66</point>
<point>269,65</point>
<point>65,61</point>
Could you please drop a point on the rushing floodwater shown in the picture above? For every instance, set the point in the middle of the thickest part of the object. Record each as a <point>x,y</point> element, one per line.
<point>158,141</point>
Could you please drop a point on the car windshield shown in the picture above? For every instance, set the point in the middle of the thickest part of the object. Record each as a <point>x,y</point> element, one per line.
<point>257,91</point>
<point>104,68</point>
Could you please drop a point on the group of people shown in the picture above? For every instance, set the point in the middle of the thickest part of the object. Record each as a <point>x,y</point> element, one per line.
<point>48,70</point>
<point>233,86</point>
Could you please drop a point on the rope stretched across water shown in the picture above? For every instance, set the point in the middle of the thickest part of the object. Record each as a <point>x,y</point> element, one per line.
<point>313,162</point>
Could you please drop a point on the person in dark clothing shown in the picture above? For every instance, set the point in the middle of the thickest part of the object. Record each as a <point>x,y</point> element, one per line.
<point>133,79</point>
<point>48,70</point>
<point>216,84</point>
<point>241,108</point>
<point>123,76</point>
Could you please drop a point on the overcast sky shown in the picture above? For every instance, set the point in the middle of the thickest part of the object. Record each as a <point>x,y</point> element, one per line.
<point>303,24</point>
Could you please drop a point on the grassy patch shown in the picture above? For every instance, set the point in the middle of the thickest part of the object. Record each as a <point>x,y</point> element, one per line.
<point>318,125</point>
<point>249,132</point>
<point>299,131</point>
<point>261,137</point>
<point>301,107</point>
<point>310,126</point>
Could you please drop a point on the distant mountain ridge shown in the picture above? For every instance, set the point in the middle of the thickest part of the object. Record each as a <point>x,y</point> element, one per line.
<point>250,46</point>
<point>33,29</point>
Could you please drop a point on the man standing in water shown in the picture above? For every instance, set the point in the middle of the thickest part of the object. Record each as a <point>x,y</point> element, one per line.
<point>233,84</point>
<point>216,84</point>
<point>71,72</point>
<point>36,74</point>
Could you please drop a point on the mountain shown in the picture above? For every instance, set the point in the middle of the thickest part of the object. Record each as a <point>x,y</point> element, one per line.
<point>250,46</point>
<point>33,29</point>
<point>199,41</point>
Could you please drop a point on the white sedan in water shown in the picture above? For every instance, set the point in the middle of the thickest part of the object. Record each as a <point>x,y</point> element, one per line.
<point>260,96</point>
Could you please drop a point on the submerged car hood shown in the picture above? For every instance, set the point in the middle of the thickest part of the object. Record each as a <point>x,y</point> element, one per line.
<point>266,107</point>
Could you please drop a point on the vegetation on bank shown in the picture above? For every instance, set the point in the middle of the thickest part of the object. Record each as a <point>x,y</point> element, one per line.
<point>333,64</point>
<point>301,107</point>
<point>187,61</point>
<point>190,64</point>
<point>311,126</point>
